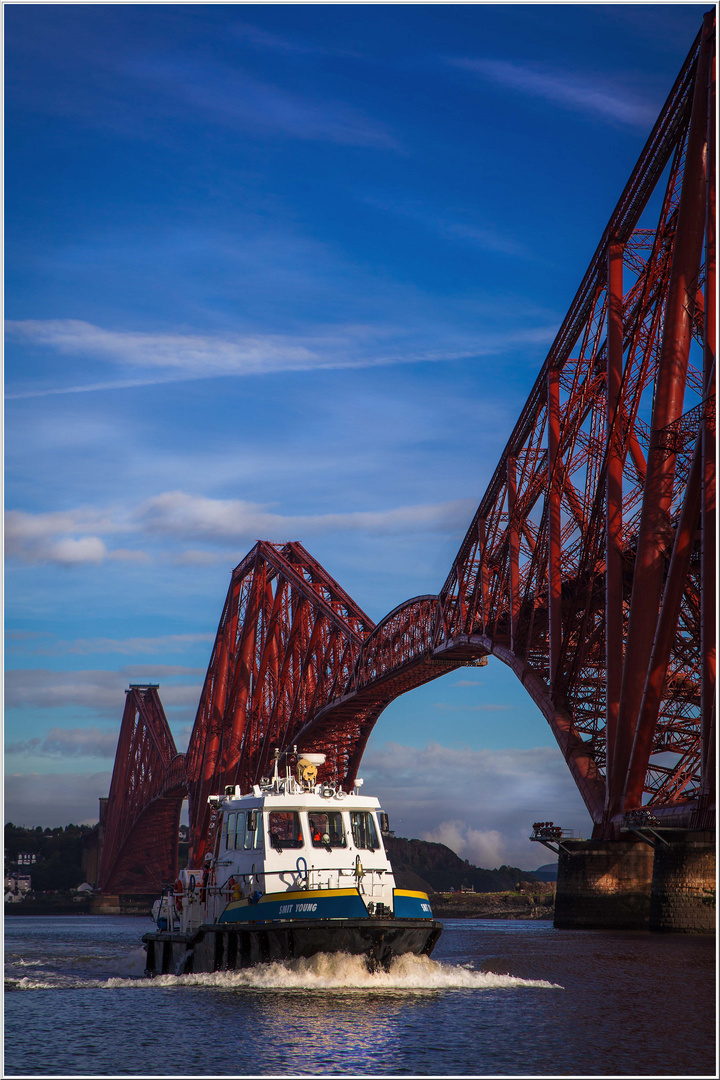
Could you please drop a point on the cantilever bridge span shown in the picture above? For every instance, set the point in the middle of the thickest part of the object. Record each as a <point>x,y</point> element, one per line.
<point>588,567</point>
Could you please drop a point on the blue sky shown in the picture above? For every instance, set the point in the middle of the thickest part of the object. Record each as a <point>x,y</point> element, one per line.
<point>289,272</point>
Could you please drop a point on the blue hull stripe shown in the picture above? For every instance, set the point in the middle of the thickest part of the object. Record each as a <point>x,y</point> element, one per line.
<point>314,904</point>
<point>411,905</point>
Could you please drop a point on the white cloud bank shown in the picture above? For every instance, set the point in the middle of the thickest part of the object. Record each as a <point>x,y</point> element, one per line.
<point>481,847</point>
<point>480,803</point>
<point>75,537</point>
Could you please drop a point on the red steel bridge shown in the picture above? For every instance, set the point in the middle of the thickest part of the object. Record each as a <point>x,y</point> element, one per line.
<point>588,568</point>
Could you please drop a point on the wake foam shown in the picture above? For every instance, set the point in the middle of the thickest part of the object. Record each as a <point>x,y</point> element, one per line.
<point>339,971</point>
<point>319,974</point>
<point>47,983</point>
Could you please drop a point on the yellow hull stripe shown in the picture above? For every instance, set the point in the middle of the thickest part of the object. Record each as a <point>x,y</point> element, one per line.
<point>273,898</point>
<point>407,892</point>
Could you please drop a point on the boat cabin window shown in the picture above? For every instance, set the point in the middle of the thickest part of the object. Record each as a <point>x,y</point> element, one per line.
<point>326,830</point>
<point>252,837</point>
<point>363,830</point>
<point>229,830</point>
<point>240,831</point>
<point>284,829</point>
<point>237,834</point>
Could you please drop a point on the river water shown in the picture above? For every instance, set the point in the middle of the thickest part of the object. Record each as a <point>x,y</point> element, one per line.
<point>505,998</point>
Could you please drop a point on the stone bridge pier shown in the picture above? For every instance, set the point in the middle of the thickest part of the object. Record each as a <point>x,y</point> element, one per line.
<point>661,880</point>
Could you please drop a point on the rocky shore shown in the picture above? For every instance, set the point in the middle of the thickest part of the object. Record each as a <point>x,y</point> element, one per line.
<point>531,904</point>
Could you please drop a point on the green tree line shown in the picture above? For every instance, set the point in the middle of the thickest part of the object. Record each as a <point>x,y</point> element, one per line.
<point>58,851</point>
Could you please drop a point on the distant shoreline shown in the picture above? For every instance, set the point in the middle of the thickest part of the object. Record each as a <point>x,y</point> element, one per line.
<point>535,904</point>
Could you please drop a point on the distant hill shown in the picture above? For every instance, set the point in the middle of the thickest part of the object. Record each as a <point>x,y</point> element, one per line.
<point>546,872</point>
<point>429,867</point>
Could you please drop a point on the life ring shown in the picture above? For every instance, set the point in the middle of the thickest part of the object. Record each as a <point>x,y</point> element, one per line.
<point>230,885</point>
<point>178,894</point>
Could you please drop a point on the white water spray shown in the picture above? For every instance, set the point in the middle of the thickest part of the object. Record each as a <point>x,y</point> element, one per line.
<point>323,973</point>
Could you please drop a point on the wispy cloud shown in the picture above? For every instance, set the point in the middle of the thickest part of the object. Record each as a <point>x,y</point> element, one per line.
<point>199,557</point>
<point>289,46</point>
<point>31,527</point>
<point>230,97</point>
<point>178,513</point>
<point>482,235</point>
<point>190,355</point>
<point>100,691</point>
<point>149,86</point>
<point>133,646</point>
<point>264,39</point>
<point>68,743</point>
<point>181,517</point>
<point>170,357</point>
<point>598,98</point>
<point>163,671</point>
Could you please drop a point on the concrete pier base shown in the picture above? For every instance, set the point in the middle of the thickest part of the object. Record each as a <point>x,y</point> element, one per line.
<point>604,885</point>
<point>682,899</point>
<point>666,885</point>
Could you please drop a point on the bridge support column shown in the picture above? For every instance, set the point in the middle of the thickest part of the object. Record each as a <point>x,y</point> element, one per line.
<point>604,885</point>
<point>667,885</point>
<point>682,900</point>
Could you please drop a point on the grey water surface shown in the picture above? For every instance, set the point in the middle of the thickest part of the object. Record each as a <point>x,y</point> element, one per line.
<point>505,998</point>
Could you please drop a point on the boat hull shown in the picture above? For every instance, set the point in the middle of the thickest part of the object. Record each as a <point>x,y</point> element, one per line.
<point>233,946</point>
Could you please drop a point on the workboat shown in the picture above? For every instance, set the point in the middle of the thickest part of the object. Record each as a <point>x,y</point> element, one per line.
<point>295,867</point>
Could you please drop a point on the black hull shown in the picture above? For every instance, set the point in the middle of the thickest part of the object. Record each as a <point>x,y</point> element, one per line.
<point>232,946</point>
